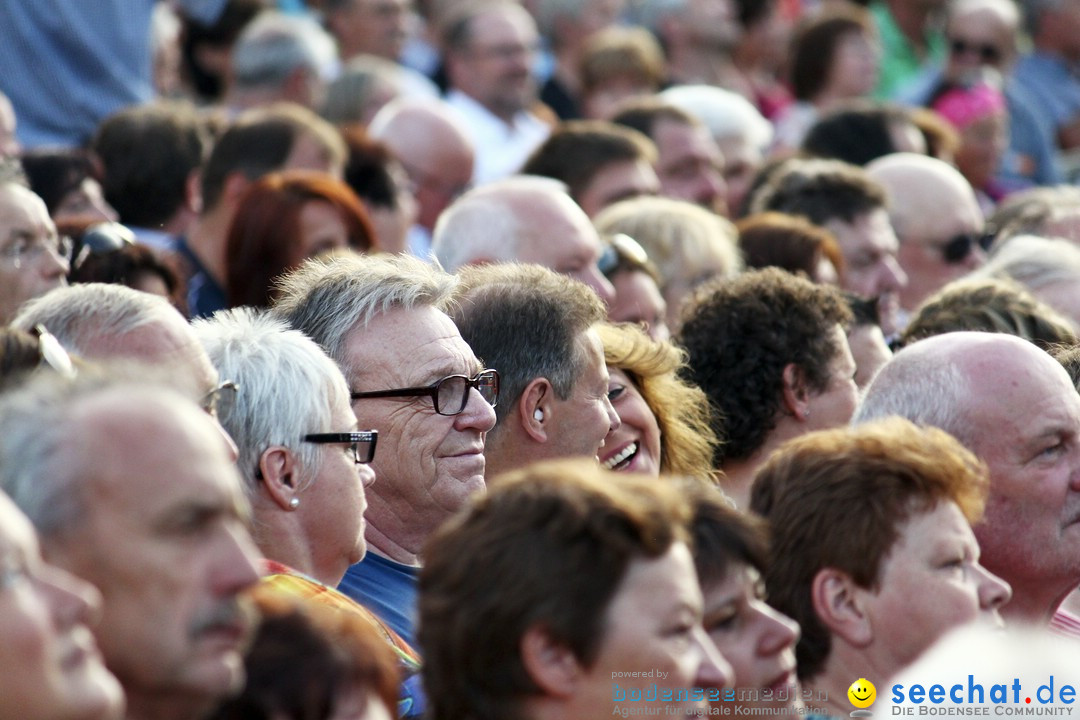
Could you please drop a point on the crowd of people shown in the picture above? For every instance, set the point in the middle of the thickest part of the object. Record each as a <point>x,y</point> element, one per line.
<point>535,359</point>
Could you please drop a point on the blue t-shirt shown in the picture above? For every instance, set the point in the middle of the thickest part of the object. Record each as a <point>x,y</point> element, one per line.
<point>388,589</point>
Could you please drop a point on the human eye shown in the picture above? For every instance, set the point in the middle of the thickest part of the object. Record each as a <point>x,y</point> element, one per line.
<point>615,391</point>
<point>13,572</point>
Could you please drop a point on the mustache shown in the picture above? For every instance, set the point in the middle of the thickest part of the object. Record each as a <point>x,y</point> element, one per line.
<point>225,615</point>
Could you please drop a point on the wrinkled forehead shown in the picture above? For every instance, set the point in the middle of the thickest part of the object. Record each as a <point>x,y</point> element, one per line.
<point>21,209</point>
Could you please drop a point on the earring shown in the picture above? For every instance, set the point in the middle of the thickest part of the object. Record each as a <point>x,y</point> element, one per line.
<point>294,503</point>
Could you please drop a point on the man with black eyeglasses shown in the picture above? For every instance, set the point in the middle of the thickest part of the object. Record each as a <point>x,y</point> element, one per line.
<point>937,220</point>
<point>33,258</point>
<point>414,380</point>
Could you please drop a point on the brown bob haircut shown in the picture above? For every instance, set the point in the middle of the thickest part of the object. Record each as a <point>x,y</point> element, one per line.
<point>263,240</point>
<point>790,242</point>
<point>816,43</point>
<point>723,537</point>
<point>687,441</point>
<point>839,498</point>
<point>546,548</point>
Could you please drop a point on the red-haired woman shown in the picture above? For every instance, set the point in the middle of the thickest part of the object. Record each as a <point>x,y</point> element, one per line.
<point>283,219</point>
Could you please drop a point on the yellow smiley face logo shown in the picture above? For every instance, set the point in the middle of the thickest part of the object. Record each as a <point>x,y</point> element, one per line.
<point>862,693</point>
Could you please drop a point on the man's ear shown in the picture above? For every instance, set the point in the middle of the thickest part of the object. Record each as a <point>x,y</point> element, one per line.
<point>840,604</point>
<point>550,664</point>
<point>796,395</point>
<point>535,409</point>
<point>277,472</point>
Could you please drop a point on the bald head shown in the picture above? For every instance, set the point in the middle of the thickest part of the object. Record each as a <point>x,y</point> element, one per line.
<point>931,205</point>
<point>435,149</point>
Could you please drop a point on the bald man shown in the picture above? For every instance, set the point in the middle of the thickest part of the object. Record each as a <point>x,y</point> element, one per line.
<point>1013,406</point>
<point>936,218</point>
<point>433,147</point>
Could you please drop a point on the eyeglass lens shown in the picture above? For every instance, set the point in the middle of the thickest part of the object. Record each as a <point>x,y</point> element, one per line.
<point>453,392</point>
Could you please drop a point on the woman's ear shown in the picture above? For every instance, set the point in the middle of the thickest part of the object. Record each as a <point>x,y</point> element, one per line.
<point>277,473</point>
<point>840,604</point>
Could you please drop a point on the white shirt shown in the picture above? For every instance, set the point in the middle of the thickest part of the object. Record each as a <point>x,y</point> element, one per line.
<point>501,148</point>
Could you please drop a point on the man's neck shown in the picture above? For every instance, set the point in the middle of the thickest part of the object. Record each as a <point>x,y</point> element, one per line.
<point>167,707</point>
<point>1035,603</point>
<point>207,241</point>
<point>379,543</point>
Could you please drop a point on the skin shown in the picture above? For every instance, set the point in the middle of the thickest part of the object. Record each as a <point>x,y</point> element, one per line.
<point>854,69</point>
<point>930,582</point>
<point>52,668</point>
<point>171,555</point>
<point>690,166</point>
<point>638,300</point>
<point>85,202</point>
<point>638,431</point>
<point>494,68</point>
<point>979,26</point>
<point>930,203</point>
<point>321,230</point>
<point>333,501</point>
<point>374,27</point>
<point>757,640</point>
<point>982,143</point>
<point>23,215</point>
<point>653,624</point>
<point>618,181</point>
<point>558,235</point>
<point>433,150</point>
<point>577,426</point>
<point>834,406</point>
<point>428,464</point>
<point>869,247</point>
<point>742,160</point>
<point>870,352</point>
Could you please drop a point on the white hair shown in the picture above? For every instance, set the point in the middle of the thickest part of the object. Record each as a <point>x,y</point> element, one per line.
<point>274,45</point>
<point>484,223</point>
<point>1034,262</point>
<point>288,387</point>
<point>724,112</point>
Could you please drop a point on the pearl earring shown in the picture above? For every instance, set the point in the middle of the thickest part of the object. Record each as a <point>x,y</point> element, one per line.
<point>294,503</point>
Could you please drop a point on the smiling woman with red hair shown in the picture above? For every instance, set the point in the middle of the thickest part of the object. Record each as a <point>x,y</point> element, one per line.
<point>283,219</point>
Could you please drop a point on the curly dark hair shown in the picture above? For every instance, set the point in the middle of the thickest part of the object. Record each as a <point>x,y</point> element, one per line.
<point>740,334</point>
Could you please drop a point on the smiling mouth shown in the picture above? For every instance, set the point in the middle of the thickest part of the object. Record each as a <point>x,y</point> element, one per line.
<point>622,459</point>
<point>860,697</point>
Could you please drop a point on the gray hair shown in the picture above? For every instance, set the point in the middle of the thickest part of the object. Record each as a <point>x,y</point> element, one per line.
<point>922,386</point>
<point>725,113</point>
<point>288,386</point>
<point>1034,262</point>
<point>91,316</point>
<point>274,45</point>
<point>483,225</point>
<point>326,298</point>
<point>36,468</point>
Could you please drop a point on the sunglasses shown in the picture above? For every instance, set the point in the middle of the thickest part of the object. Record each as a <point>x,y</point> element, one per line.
<point>102,238</point>
<point>621,249</point>
<point>986,53</point>
<point>960,246</point>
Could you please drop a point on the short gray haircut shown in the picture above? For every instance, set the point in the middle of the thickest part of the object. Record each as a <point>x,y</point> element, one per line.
<point>274,45</point>
<point>1034,262</point>
<point>94,315</point>
<point>288,386</point>
<point>921,386</point>
<point>725,113</point>
<point>36,468</point>
<point>326,298</point>
<point>483,224</point>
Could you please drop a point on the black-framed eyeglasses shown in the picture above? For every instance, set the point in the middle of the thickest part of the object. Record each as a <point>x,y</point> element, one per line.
<point>621,247</point>
<point>957,249</point>
<point>361,442</point>
<point>987,53</point>
<point>53,353</point>
<point>219,398</point>
<point>449,395</point>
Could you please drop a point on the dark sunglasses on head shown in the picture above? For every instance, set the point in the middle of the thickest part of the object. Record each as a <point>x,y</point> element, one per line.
<point>987,53</point>
<point>960,246</point>
<point>102,238</point>
<point>621,247</point>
